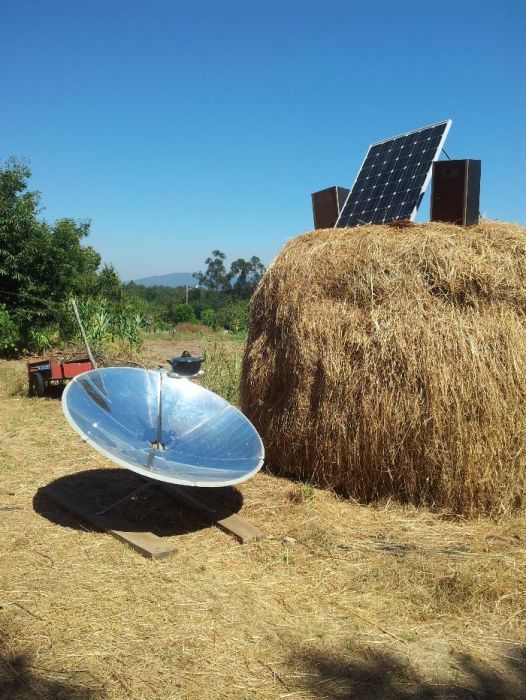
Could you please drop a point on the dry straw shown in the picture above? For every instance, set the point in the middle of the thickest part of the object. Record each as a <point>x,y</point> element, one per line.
<point>391,362</point>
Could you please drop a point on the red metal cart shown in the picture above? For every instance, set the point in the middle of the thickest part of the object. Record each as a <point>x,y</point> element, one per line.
<point>54,369</point>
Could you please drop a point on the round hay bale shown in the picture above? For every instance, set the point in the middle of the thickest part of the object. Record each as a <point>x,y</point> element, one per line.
<point>391,362</point>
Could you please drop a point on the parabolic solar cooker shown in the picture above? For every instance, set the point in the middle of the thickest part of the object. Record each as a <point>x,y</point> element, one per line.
<point>163,426</point>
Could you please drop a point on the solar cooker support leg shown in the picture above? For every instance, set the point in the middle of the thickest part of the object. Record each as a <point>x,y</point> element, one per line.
<point>143,487</point>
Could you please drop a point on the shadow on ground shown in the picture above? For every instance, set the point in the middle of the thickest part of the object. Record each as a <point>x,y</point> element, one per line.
<point>366,674</point>
<point>22,679</point>
<point>150,510</point>
<point>52,391</point>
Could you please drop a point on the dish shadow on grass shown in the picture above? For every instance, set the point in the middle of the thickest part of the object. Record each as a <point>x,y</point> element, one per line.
<point>150,510</point>
<point>368,674</point>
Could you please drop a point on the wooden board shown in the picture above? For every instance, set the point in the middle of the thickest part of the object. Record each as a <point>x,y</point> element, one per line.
<point>146,543</point>
<point>232,523</point>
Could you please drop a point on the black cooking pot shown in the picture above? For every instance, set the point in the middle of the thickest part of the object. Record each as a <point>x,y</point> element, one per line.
<point>186,365</point>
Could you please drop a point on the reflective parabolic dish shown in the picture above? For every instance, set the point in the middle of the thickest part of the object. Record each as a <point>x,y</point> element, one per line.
<point>163,428</point>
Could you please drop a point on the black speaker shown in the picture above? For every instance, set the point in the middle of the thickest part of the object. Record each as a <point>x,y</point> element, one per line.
<point>327,205</point>
<point>455,192</point>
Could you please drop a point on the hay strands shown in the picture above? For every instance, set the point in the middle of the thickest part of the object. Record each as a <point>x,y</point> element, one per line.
<point>418,394</point>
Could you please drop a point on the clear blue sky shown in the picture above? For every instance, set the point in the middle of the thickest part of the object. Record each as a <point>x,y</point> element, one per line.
<point>179,127</point>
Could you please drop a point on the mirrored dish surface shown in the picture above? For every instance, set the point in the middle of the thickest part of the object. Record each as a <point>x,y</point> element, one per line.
<point>163,428</point>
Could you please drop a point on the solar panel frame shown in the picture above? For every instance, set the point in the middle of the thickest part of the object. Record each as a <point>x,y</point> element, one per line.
<point>354,197</point>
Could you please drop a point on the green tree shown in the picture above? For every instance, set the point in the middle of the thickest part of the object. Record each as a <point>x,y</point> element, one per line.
<point>215,277</point>
<point>109,285</point>
<point>40,264</point>
<point>244,276</point>
<point>241,280</point>
<point>182,313</point>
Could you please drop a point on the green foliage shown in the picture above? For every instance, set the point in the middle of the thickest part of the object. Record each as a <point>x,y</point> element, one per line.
<point>41,340</point>
<point>43,265</point>
<point>40,264</point>
<point>105,322</point>
<point>241,280</point>
<point>156,303</point>
<point>215,277</point>
<point>209,318</point>
<point>8,331</point>
<point>234,316</point>
<point>245,276</point>
<point>108,285</point>
<point>206,299</point>
<point>157,325</point>
<point>128,327</point>
<point>220,301</point>
<point>158,295</point>
<point>182,313</point>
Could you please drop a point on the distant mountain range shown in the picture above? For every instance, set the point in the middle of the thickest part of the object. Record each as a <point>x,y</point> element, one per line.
<point>175,279</point>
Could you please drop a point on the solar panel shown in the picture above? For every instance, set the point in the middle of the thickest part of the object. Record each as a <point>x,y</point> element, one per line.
<point>393,177</point>
<point>164,428</point>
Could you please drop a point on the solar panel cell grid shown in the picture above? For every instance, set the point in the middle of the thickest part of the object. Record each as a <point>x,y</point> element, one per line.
<point>393,177</point>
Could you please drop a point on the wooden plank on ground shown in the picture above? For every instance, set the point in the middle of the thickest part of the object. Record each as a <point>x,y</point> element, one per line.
<point>146,543</point>
<point>232,523</point>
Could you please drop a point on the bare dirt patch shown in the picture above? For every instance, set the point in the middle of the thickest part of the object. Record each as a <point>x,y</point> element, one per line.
<point>341,601</point>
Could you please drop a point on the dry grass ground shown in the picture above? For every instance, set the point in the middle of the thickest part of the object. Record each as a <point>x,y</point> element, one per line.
<point>341,601</point>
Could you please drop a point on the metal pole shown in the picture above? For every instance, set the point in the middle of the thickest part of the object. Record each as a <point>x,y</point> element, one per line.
<point>160,413</point>
<point>83,332</point>
<point>124,498</point>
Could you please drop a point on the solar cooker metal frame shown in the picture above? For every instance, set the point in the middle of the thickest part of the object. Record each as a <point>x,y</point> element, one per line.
<point>146,542</point>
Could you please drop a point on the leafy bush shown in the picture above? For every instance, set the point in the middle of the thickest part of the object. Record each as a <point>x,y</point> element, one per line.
<point>9,335</point>
<point>42,340</point>
<point>105,323</point>
<point>127,326</point>
<point>234,316</point>
<point>182,313</point>
<point>158,326</point>
<point>209,318</point>
<point>41,264</point>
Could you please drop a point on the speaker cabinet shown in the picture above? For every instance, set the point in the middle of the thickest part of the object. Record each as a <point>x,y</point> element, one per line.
<point>455,192</point>
<point>327,205</point>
